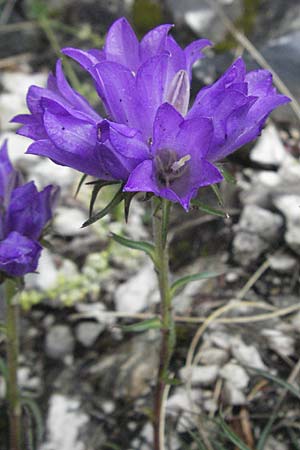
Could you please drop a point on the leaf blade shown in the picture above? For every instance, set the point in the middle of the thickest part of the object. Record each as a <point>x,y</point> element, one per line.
<point>143,246</point>
<point>189,278</point>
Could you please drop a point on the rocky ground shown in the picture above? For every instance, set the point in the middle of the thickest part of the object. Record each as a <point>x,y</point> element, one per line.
<point>88,382</point>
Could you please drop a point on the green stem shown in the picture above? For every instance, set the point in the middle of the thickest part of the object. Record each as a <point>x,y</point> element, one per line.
<point>14,407</point>
<point>160,230</point>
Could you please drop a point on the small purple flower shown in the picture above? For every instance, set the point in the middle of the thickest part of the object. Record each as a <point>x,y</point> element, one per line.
<point>23,214</point>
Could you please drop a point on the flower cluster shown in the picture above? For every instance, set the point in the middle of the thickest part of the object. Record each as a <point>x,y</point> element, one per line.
<point>149,140</point>
<point>23,214</point>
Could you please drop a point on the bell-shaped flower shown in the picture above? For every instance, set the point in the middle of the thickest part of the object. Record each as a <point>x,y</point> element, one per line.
<point>24,212</point>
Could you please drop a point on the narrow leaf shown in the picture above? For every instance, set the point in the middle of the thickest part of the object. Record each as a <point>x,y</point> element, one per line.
<point>208,209</point>
<point>96,189</point>
<point>143,246</point>
<point>217,193</point>
<point>128,196</point>
<point>149,324</point>
<point>228,177</point>
<point>99,215</point>
<point>232,436</point>
<point>188,278</point>
<point>82,179</point>
<point>289,387</point>
<point>36,415</point>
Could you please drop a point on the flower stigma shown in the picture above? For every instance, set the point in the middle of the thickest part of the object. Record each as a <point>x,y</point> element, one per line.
<point>169,167</point>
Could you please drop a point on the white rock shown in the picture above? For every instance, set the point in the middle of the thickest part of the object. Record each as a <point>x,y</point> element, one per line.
<point>135,294</point>
<point>269,148</point>
<point>235,374</point>
<point>259,221</point>
<point>46,276</point>
<point>289,205</point>
<point>64,424</point>
<point>273,444</point>
<point>283,263</point>
<point>181,404</point>
<point>46,172</point>
<point>17,146</point>
<point>59,342</point>
<point>216,356</point>
<point>232,395</point>
<point>199,375</point>
<point>247,355</point>
<point>88,332</point>
<point>279,342</point>
<point>68,221</point>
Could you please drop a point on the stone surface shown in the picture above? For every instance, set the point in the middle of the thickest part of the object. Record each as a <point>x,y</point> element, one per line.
<point>232,395</point>
<point>247,355</point>
<point>68,221</point>
<point>269,148</point>
<point>289,205</point>
<point>46,276</point>
<point>235,375</point>
<point>257,229</point>
<point>59,342</point>
<point>283,263</point>
<point>136,294</point>
<point>88,332</point>
<point>65,423</point>
<point>279,342</point>
<point>200,375</point>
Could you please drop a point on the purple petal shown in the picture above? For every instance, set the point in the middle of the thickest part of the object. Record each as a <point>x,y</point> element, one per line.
<point>33,127</point>
<point>141,179</point>
<point>193,52</point>
<point>87,59</point>
<point>26,213</point>
<point>6,169</point>
<point>71,95</point>
<point>166,127</point>
<point>117,88</point>
<point>154,42</point>
<point>19,255</point>
<point>195,137</point>
<point>150,85</point>
<point>121,45</point>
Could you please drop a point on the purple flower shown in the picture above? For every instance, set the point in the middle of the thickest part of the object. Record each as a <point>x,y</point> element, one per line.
<point>23,214</point>
<point>122,47</point>
<point>65,128</point>
<point>224,117</point>
<point>149,140</point>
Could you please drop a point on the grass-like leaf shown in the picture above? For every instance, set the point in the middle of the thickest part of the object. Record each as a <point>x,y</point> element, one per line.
<point>228,177</point>
<point>36,415</point>
<point>149,324</point>
<point>226,431</point>
<point>188,278</point>
<point>286,385</point>
<point>119,196</point>
<point>143,246</point>
<point>217,193</point>
<point>82,180</point>
<point>98,185</point>
<point>208,209</point>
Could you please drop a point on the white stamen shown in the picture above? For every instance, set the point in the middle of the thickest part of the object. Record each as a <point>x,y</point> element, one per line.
<point>180,163</point>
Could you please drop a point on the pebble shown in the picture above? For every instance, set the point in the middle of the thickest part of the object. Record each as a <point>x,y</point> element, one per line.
<point>59,342</point>
<point>87,332</point>
<point>279,342</point>
<point>235,374</point>
<point>247,355</point>
<point>68,221</point>
<point>135,294</point>
<point>65,423</point>
<point>200,375</point>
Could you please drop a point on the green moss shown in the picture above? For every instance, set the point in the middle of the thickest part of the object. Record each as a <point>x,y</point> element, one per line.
<point>146,14</point>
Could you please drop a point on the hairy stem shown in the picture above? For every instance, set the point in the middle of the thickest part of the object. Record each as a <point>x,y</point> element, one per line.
<point>13,398</point>
<point>160,230</point>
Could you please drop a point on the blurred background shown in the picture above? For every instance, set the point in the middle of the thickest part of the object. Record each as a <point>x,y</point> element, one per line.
<point>88,380</point>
